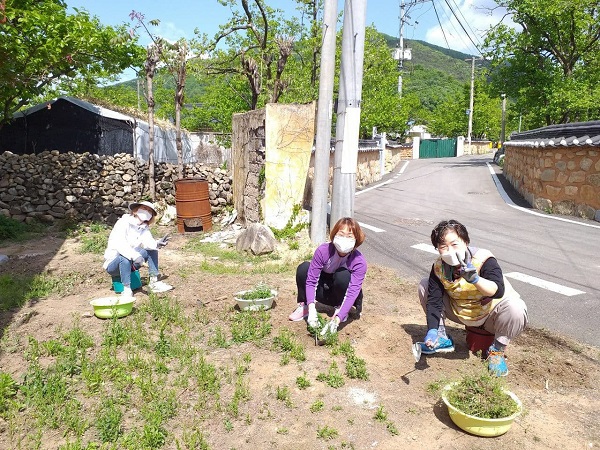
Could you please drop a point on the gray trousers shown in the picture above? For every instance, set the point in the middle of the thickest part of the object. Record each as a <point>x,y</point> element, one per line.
<point>506,321</point>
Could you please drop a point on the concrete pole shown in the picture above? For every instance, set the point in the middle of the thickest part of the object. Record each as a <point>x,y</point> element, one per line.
<point>348,114</point>
<point>503,127</point>
<point>320,194</point>
<point>471,102</point>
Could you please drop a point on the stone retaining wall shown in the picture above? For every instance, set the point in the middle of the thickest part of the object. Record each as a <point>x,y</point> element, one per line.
<point>561,180</point>
<point>52,185</point>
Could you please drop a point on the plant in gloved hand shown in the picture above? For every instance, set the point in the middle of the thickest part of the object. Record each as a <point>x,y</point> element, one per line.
<point>315,330</point>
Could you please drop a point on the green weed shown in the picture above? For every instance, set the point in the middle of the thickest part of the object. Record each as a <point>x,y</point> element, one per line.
<point>8,391</point>
<point>302,382</point>
<point>482,395</point>
<point>283,394</point>
<point>327,433</point>
<point>317,406</point>
<point>333,377</point>
<point>356,368</point>
<point>286,342</point>
<point>250,326</point>
<point>109,420</point>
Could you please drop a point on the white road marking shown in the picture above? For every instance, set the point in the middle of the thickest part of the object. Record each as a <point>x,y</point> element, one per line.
<point>371,227</point>
<point>373,187</point>
<point>544,284</point>
<point>426,248</point>
<point>558,288</point>
<point>510,203</point>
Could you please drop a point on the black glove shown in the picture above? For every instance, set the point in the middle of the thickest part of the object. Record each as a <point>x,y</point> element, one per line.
<point>160,243</point>
<point>468,270</point>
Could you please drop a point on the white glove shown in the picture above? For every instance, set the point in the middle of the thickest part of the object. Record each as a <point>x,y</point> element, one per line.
<point>331,327</point>
<point>312,320</point>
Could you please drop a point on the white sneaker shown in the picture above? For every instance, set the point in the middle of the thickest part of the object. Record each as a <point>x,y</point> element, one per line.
<point>158,287</point>
<point>127,292</point>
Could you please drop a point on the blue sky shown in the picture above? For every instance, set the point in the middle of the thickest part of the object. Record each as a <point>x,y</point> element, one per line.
<point>179,18</point>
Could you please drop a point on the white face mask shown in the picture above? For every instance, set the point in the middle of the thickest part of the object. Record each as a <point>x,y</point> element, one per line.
<point>451,257</point>
<point>344,244</point>
<point>143,215</point>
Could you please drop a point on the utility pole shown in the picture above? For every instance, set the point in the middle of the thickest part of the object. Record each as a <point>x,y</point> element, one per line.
<point>470,130</point>
<point>348,114</point>
<point>318,229</point>
<point>503,128</point>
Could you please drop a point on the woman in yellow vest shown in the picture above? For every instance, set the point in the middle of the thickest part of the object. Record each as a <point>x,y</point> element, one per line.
<point>466,285</point>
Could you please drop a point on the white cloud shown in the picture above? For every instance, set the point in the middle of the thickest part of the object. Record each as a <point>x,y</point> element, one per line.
<point>476,16</point>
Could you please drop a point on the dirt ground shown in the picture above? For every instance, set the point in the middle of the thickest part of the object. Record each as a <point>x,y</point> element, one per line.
<point>556,378</point>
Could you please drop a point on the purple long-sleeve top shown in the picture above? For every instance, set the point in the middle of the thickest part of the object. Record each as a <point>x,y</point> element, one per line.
<point>326,259</point>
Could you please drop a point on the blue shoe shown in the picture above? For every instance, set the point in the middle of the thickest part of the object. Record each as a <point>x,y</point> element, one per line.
<point>497,362</point>
<point>442,345</point>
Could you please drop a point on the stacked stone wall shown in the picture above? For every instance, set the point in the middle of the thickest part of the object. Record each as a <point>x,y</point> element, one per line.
<point>564,180</point>
<point>52,185</point>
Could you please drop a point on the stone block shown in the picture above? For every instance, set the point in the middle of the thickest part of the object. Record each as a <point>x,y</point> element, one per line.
<point>553,191</point>
<point>571,190</point>
<point>594,179</point>
<point>585,211</point>
<point>542,204</point>
<point>565,207</point>
<point>548,175</point>
<point>585,164</point>
<point>577,177</point>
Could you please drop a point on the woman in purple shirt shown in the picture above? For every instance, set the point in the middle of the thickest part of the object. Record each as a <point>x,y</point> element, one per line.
<point>334,276</point>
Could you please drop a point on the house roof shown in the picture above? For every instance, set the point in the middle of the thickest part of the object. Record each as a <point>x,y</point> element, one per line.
<point>104,112</point>
<point>563,135</point>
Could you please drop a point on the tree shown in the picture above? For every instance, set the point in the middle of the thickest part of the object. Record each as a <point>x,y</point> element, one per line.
<point>551,67</point>
<point>41,45</point>
<point>450,117</point>
<point>259,42</point>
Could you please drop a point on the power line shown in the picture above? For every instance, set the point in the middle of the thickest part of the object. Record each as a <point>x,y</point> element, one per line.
<point>441,27</point>
<point>461,25</point>
<point>467,22</point>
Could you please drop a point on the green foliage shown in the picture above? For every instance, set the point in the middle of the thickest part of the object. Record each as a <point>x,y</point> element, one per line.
<point>549,67</point>
<point>482,395</point>
<point>53,53</point>
<point>11,229</point>
<point>291,227</point>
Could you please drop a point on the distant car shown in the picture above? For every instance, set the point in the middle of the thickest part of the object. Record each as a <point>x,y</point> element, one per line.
<point>499,155</point>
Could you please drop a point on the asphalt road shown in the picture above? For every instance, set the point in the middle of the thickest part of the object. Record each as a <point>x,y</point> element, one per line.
<point>552,261</point>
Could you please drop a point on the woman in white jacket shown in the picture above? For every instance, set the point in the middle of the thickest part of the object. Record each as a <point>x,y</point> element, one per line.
<point>131,244</point>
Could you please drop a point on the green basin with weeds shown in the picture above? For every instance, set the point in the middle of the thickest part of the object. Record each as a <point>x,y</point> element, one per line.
<point>108,307</point>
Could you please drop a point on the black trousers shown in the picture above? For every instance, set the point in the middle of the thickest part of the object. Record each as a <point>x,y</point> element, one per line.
<point>331,287</point>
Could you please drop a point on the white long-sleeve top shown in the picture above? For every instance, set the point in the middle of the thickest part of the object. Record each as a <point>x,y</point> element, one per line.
<point>127,238</point>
